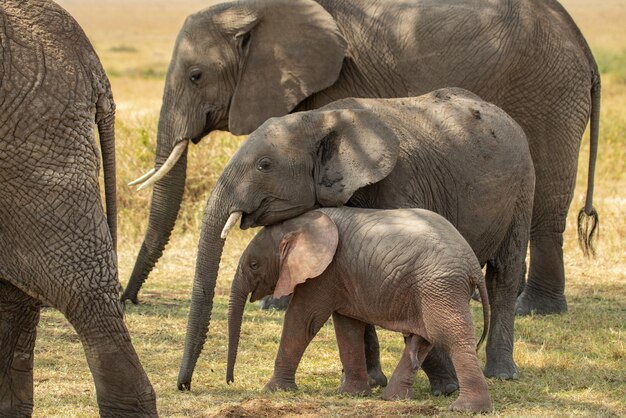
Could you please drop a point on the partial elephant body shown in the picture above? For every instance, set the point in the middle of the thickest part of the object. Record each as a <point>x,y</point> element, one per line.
<point>447,151</point>
<point>56,244</point>
<point>460,157</point>
<point>527,57</point>
<point>406,270</point>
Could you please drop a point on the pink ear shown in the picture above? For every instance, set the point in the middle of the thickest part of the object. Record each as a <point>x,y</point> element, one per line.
<point>306,249</point>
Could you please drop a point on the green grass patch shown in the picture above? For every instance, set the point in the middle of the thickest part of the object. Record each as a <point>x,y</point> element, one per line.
<point>156,72</point>
<point>123,48</point>
<point>612,63</point>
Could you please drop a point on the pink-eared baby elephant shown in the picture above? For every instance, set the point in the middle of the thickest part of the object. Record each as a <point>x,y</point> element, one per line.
<point>407,270</point>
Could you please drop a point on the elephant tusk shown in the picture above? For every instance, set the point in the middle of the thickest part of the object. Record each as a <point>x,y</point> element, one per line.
<point>167,165</point>
<point>230,223</point>
<point>143,178</point>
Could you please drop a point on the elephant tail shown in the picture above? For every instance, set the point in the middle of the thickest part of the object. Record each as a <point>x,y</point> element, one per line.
<point>105,119</point>
<point>479,281</point>
<point>588,220</point>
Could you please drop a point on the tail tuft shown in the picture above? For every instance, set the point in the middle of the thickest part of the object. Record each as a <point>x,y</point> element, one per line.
<point>588,228</point>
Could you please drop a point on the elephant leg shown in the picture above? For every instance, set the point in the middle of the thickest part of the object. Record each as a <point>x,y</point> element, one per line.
<point>505,273</point>
<point>401,382</point>
<point>502,290</point>
<point>350,335</point>
<point>122,386</point>
<point>555,158</point>
<point>473,393</point>
<point>372,358</point>
<point>305,316</point>
<point>544,292</point>
<point>19,315</point>
<point>440,371</point>
<point>450,328</point>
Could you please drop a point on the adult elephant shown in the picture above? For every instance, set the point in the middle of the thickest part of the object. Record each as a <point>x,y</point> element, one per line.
<point>237,64</point>
<point>56,245</point>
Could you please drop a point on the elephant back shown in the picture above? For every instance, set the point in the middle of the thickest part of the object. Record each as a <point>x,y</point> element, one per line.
<point>468,161</point>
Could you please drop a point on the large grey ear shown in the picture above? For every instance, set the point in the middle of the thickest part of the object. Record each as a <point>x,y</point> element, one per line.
<point>293,50</point>
<point>358,149</point>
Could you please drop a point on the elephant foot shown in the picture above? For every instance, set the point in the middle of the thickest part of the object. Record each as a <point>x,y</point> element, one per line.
<point>474,404</point>
<point>279,304</point>
<point>444,388</point>
<point>376,378</point>
<point>442,383</point>
<point>440,372</point>
<point>355,388</point>
<point>503,370</point>
<point>398,391</point>
<point>132,296</point>
<point>275,385</point>
<point>539,303</point>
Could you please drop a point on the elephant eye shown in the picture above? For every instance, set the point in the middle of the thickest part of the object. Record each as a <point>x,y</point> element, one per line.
<point>254,265</point>
<point>195,75</point>
<point>264,164</point>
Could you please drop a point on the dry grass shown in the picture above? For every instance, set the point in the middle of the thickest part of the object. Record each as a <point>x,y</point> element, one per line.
<point>571,365</point>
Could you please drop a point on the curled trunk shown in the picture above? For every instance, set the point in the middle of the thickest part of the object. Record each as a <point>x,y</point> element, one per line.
<point>207,264</point>
<point>238,297</point>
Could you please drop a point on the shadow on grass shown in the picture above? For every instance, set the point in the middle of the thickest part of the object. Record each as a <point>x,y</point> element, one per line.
<point>560,390</point>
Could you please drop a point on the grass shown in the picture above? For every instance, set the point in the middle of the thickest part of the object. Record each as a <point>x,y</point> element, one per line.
<point>571,365</point>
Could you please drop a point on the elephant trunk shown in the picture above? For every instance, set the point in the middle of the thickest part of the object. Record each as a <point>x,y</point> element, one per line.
<point>207,264</point>
<point>238,297</point>
<point>167,196</point>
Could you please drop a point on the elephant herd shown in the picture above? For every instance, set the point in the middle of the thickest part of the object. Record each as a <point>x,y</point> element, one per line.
<point>378,129</point>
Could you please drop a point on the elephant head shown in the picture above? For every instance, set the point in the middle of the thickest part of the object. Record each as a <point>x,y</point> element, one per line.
<point>234,66</point>
<point>275,262</point>
<point>288,166</point>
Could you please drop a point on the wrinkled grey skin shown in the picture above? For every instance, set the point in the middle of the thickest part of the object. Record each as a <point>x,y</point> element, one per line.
<point>407,270</point>
<point>447,151</point>
<point>56,245</point>
<point>259,59</point>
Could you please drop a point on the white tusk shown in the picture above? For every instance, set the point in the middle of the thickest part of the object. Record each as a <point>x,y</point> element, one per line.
<point>167,165</point>
<point>230,223</point>
<point>143,178</point>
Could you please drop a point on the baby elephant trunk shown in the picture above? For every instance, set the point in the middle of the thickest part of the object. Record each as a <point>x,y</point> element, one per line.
<point>238,297</point>
<point>479,281</point>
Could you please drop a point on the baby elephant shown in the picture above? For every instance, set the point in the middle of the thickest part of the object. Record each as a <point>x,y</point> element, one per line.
<point>407,270</point>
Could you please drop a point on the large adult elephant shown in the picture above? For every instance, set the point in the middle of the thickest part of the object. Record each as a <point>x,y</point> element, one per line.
<point>237,64</point>
<point>56,245</point>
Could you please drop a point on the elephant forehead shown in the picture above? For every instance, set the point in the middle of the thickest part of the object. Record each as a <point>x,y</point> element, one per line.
<point>190,50</point>
<point>279,131</point>
<point>263,242</point>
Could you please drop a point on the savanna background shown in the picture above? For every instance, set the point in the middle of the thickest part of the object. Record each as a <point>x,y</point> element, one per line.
<point>571,365</point>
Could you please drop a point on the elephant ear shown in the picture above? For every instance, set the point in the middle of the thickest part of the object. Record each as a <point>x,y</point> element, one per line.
<point>358,150</point>
<point>293,49</point>
<point>306,249</point>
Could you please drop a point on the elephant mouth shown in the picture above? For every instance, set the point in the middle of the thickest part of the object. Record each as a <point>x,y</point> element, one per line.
<point>213,121</point>
<point>208,128</point>
<point>265,215</point>
<point>247,221</point>
<point>260,292</point>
